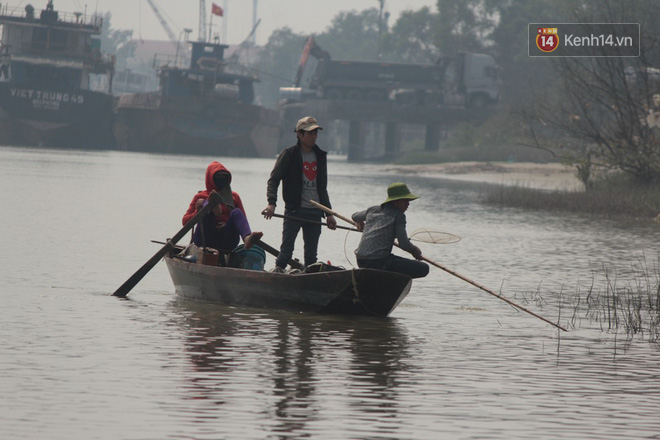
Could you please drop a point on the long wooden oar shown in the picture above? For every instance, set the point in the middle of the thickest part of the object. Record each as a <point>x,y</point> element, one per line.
<point>440,266</point>
<point>123,290</point>
<point>177,247</point>
<point>330,211</point>
<point>275,253</point>
<point>303,220</point>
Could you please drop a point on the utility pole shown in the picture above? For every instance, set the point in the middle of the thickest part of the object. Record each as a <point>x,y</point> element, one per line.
<point>380,26</point>
<point>201,33</point>
<point>224,25</point>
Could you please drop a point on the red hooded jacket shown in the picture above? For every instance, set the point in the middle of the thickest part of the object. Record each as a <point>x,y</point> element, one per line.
<point>213,168</point>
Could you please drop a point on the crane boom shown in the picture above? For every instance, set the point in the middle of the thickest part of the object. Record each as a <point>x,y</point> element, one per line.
<point>163,23</point>
<point>255,23</point>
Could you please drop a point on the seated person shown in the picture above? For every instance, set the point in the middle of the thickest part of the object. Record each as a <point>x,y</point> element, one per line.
<point>381,225</point>
<point>227,223</point>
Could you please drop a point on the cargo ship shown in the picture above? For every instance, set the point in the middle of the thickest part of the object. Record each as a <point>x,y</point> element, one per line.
<point>202,107</point>
<point>47,62</point>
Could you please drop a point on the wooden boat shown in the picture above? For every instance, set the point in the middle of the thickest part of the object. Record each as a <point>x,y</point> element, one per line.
<point>350,292</point>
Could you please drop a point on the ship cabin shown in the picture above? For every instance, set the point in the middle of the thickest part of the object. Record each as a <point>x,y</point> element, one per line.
<point>208,76</point>
<point>51,49</point>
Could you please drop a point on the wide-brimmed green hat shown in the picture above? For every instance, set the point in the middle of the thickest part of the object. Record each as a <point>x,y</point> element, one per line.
<point>398,191</point>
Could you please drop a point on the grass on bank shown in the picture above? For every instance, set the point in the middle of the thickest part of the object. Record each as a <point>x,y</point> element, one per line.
<point>631,306</point>
<point>612,197</point>
<point>494,140</point>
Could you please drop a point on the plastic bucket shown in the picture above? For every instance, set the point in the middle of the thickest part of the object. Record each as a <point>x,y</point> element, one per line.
<point>250,259</point>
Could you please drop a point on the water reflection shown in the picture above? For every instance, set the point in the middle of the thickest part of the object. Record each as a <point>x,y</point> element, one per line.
<point>452,362</point>
<point>296,362</point>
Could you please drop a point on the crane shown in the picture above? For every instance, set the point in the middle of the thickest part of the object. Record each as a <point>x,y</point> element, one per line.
<point>254,22</point>
<point>170,33</point>
<point>163,23</point>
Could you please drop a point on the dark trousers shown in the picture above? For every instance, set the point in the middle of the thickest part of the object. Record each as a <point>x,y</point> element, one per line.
<point>311,235</point>
<point>394,263</point>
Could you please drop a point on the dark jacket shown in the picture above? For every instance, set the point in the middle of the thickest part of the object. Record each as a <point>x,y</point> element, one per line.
<point>288,169</point>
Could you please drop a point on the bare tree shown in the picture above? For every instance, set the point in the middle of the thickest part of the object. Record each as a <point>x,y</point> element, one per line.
<point>603,111</point>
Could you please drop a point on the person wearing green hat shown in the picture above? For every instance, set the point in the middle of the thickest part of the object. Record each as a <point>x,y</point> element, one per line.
<point>380,226</point>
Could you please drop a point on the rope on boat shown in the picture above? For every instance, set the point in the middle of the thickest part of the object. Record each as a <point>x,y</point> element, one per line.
<point>355,290</point>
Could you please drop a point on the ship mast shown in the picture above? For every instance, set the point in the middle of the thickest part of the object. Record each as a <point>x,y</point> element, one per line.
<point>201,36</point>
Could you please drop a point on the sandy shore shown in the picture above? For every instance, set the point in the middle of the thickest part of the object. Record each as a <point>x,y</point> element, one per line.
<point>550,176</point>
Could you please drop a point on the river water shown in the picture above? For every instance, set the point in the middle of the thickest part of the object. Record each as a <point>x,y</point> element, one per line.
<point>451,362</point>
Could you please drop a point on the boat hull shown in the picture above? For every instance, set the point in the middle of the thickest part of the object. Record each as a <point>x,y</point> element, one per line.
<point>54,117</point>
<point>351,292</point>
<point>151,123</point>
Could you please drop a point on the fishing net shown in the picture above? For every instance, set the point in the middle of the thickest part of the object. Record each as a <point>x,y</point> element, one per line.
<point>434,237</point>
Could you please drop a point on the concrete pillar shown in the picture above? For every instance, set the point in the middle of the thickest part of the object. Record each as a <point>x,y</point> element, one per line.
<point>355,141</point>
<point>432,137</point>
<point>289,115</point>
<point>391,141</point>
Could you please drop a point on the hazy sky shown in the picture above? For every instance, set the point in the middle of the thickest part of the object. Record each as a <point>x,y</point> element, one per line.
<point>303,16</point>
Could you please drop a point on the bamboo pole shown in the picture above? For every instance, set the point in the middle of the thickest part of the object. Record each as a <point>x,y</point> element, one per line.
<point>449,271</point>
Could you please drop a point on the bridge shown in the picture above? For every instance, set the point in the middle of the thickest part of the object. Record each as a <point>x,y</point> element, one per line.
<point>389,113</point>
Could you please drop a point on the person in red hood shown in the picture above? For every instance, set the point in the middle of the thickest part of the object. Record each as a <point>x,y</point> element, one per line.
<point>227,223</point>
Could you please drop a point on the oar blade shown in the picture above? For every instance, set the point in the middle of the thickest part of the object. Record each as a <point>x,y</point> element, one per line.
<point>128,285</point>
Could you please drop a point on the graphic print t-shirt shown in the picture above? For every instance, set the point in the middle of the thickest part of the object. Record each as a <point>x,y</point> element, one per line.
<point>309,191</point>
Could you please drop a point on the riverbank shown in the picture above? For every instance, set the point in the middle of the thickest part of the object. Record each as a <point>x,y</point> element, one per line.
<point>550,187</point>
<point>546,176</point>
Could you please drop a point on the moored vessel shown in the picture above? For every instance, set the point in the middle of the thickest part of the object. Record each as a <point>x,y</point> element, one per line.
<point>203,108</point>
<point>47,64</point>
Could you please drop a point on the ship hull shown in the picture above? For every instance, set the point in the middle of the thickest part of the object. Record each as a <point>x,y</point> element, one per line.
<point>52,117</point>
<point>151,123</point>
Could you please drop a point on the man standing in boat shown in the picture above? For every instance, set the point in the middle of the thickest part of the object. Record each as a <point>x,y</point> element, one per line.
<point>303,171</point>
<point>381,225</point>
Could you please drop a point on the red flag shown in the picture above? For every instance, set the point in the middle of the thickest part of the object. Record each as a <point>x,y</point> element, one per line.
<point>217,10</point>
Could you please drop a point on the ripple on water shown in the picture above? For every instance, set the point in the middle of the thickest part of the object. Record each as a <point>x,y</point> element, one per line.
<point>451,362</point>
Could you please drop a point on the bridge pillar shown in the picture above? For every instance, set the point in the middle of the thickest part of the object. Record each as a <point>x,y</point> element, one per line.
<point>355,141</point>
<point>391,144</point>
<point>432,137</point>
